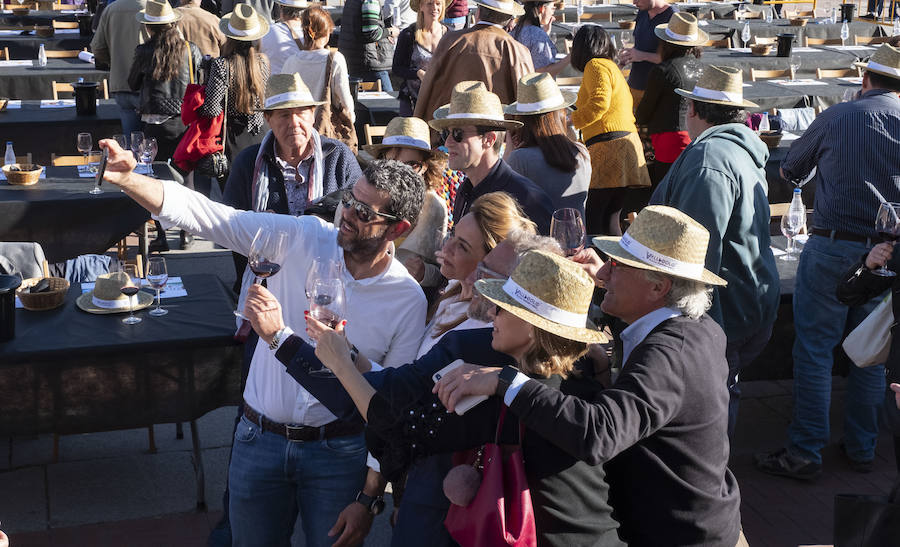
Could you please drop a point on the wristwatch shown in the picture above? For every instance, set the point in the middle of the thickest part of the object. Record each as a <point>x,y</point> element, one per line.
<point>276,340</point>
<point>374,505</point>
<point>507,375</point>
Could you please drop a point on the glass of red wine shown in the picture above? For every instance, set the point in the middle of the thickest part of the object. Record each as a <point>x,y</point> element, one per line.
<point>130,290</point>
<point>327,304</point>
<point>567,228</point>
<point>887,224</point>
<point>266,255</point>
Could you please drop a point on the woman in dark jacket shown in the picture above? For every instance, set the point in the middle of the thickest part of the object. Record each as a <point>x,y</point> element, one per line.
<point>859,286</point>
<point>414,47</point>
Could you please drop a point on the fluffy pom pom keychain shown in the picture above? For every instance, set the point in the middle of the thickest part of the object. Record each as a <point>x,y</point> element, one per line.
<point>463,481</point>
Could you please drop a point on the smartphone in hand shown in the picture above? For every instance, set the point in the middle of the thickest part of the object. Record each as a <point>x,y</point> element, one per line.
<point>104,157</point>
<point>466,403</point>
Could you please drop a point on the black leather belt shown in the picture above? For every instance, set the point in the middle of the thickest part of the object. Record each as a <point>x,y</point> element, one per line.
<point>843,236</point>
<point>303,433</point>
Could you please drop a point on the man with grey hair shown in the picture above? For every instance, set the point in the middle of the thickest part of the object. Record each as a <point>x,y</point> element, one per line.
<point>661,428</point>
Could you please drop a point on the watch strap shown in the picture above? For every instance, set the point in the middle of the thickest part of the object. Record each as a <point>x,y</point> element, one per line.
<point>507,375</point>
<point>369,502</point>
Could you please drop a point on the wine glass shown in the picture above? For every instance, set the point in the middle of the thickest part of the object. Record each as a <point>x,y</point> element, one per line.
<point>149,149</point>
<point>94,167</point>
<point>328,305</point>
<point>567,228</point>
<point>157,277</point>
<point>791,225</point>
<point>845,32</point>
<point>130,290</point>
<point>120,140</point>
<point>795,66</point>
<point>768,15</point>
<point>266,255</point>
<point>627,39</point>
<point>84,146</point>
<point>137,139</point>
<point>321,268</point>
<point>887,224</point>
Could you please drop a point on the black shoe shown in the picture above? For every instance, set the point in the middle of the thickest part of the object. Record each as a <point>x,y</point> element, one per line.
<point>185,240</point>
<point>860,466</point>
<point>784,464</point>
<point>158,245</point>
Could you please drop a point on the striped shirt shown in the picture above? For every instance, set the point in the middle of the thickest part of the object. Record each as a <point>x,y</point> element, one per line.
<point>852,144</point>
<point>372,25</point>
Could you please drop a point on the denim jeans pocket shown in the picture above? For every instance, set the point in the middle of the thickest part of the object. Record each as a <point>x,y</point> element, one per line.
<point>353,444</point>
<point>246,431</point>
<point>827,267</point>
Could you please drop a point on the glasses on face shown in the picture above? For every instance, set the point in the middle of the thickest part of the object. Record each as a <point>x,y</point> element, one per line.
<point>364,212</point>
<point>483,272</point>
<point>457,133</point>
<point>415,164</point>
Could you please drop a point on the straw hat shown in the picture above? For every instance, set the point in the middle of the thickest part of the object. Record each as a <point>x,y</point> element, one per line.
<point>548,291</point>
<point>287,91</point>
<point>293,3</point>
<point>412,133</point>
<point>157,12</point>
<point>663,239</point>
<point>719,85</point>
<point>682,30</point>
<point>472,104</point>
<point>107,298</point>
<point>885,61</point>
<point>244,24</point>
<point>537,93</point>
<point>509,7</point>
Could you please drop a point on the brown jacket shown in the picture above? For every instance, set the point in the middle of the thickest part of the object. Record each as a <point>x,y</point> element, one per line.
<point>201,28</point>
<point>485,53</point>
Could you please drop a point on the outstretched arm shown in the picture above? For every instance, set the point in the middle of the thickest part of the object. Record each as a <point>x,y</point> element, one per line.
<point>146,191</point>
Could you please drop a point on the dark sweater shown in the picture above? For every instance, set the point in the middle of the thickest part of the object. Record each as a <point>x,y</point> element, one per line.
<point>162,97</point>
<point>663,429</point>
<point>661,109</point>
<point>365,51</point>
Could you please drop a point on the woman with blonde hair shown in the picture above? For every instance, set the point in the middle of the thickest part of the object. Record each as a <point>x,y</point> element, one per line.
<point>415,45</point>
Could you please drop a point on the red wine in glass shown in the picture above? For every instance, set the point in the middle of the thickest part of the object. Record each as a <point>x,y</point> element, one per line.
<point>264,268</point>
<point>129,290</point>
<point>267,251</point>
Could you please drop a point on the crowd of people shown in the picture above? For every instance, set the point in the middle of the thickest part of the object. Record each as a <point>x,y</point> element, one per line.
<point>440,236</point>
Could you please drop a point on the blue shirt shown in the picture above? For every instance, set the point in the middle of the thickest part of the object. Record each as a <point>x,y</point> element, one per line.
<point>852,144</point>
<point>645,40</point>
<point>543,50</point>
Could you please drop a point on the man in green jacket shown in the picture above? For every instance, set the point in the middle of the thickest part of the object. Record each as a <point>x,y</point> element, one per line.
<point>720,181</point>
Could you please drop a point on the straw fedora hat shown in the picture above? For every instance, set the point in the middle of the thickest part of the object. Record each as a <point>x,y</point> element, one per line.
<point>244,24</point>
<point>537,93</point>
<point>107,298</point>
<point>509,7</point>
<point>403,132</point>
<point>287,91</point>
<point>663,239</point>
<point>548,291</point>
<point>719,85</point>
<point>157,12</point>
<point>885,61</point>
<point>472,104</point>
<point>682,30</point>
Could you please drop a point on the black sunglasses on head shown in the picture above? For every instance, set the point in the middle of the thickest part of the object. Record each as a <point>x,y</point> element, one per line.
<point>364,212</point>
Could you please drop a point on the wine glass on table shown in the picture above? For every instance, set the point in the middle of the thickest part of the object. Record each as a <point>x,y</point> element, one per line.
<point>96,157</point>
<point>567,228</point>
<point>887,224</point>
<point>84,144</point>
<point>130,289</point>
<point>745,35</point>
<point>137,139</point>
<point>792,223</point>
<point>328,305</point>
<point>795,66</point>
<point>149,148</point>
<point>157,277</point>
<point>321,268</point>
<point>266,255</point>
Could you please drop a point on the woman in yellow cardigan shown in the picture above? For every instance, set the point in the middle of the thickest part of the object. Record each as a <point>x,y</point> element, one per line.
<point>604,116</point>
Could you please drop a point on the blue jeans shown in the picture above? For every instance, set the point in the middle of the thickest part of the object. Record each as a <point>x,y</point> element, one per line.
<point>270,479</point>
<point>128,105</point>
<point>820,322</point>
<point>455,23</point>
<point>385,77</point>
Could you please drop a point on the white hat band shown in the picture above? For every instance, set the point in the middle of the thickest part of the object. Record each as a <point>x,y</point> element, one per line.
<point>119,303</point>
<point>659,260</point>
<point>682,37</point>
<point>500,5</point>
<point>285,97</point>
<point>883,68</point>
<point>159,18</point>
<point>403,140</point>
<point>540,105</point>
<point>718,95</point>
<point>477,115</point>
<point>544,309</point>
<point>248,32</point>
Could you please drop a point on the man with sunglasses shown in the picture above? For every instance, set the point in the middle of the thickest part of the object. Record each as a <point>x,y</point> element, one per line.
<point>473,128</point>
<point>291,454</point>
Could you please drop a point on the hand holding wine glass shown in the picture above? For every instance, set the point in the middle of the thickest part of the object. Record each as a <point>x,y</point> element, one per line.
<point>157,276</point>
<point>266,255</point>
<point>567,228</point>
<point>328,306</point>
<point>887,224</point>
<point>321,268</point>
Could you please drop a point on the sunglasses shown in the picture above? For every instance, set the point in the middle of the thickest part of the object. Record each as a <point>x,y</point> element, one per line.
<point>483,272</point>
<point>416,165</point>
<point>364,212</point>
<point>457,133</point>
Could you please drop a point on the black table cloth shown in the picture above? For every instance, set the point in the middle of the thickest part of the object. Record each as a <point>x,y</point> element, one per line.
<point>37,17</point>
<point>811,58</point>
<point>25,44</point>
<point>816,28</point>
<point>822,94</point>
<point>20,82</point>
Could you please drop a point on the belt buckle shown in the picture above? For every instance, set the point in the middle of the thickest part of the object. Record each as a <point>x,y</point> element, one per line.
<point>288,429</point>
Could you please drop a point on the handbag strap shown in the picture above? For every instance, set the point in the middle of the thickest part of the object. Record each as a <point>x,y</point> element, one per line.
<point>294,36</point>
<point>187,46</point>
<point>225,108</point>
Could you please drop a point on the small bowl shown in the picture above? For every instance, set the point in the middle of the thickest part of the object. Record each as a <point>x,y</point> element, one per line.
<point>771,138</point>
<point>627,25</point>
<point>761,50</point>
<point>43,301</point>
<point>44,32</point>
<point>22,174</point>
<point>799,21</point>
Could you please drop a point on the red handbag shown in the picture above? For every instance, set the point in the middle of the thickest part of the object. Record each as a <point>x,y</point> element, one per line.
<point>501,513</point>
<point>202,136</point>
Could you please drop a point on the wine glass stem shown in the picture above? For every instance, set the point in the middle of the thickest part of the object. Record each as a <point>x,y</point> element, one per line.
<point>131,302</point>
<point>257,280</point>
<point>157,299</point>
<point>790,246</point>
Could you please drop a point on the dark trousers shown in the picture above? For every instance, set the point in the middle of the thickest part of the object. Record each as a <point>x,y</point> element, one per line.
<point>603,209</point>
<point>740,353</point>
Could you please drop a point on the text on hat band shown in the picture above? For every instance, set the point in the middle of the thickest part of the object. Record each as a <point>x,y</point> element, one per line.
<point>404,140</point>
<point>718,95</point>
<point>681,37</point>
<point>285,97</point>
<point>544,309</point>
<point>556,100</point>
<point>659,260</point>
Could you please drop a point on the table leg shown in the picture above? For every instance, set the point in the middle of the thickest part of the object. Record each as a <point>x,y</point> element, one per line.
<point>143,243</point>
<point>198,468</point>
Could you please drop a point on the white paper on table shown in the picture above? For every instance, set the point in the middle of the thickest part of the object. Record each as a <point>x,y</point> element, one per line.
<point>43,174</point>
<point>569,88</point>
<point>803,50</point>
<point>852,48</point>
<point>778,252</point>
<point>16,62</point>
<point>787,136</point>
<point>11,32</point>
<point>86,56</point>
<point>67,31</point>
<point>702,23</point>
<point>740,49</point>
<point>797,82</point>
<point>560,55</point>
<point>59,103</point>
<point>13,104</point>
<point>174,288</point>
<point>852,79</point>
<point>84,172</point>
<point>374,95</point>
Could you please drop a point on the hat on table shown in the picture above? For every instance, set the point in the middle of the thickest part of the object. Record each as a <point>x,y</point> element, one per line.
<point>885,61</point>
<point>681,30</point>
<point>108,298</point>
<point>537,93</point>
<point>549,292</point>
<point>663,239</point>
<point>157,12</point>
<point>472,104</point>
<point>403,132</point>
<point>288,91</point>
<point>719,85</point>
<point>509,7</point>
<point>244,24</point>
